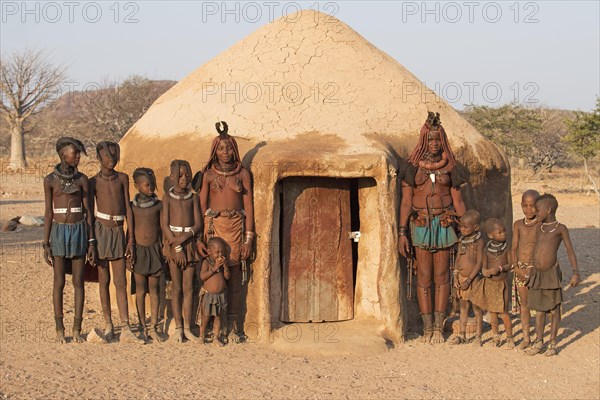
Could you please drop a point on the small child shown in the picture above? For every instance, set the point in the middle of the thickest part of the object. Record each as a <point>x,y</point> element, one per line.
<point>544,283</point>
<point>181,223</point>
<point>523,243</point>
<point>110,190</point>
<point>213,297</point>
<point>491,293</point>
<point>66,222</point>
<point>148,259</point>
<point>468,263</point>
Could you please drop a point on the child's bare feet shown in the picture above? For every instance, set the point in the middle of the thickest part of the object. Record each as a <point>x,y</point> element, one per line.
<point>60,336</point>
<point>220,341</point>
<point>157,335</point>
<point>77,338</point>
<point>524,344</point>
<point>458,339</point>
<point>510,343</point>
<point>179,335</point>
<point>189,335</point>
<point>551,351</point>
<point>109,333</point>
<point>128,337</point>
<point>497,340</point>
<point>239,337</point>
<point>477,341</point>
<point>537,348</point>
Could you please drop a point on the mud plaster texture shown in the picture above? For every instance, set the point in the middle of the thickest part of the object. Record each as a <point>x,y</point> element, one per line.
<point>306,95</point>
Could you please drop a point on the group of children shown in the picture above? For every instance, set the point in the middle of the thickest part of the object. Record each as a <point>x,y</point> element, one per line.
<point>170,229</point>
<point>481,271</point>
<point>173,229</point>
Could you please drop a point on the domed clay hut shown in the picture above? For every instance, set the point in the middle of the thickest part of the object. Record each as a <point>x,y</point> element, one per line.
<point>322,118</point>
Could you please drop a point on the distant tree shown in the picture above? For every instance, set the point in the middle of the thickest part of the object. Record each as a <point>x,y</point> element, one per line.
<point>583,138</point>
<point>115,107</point>
<point>511,126</point>
<point>529,136</point>
<point>28,83</point>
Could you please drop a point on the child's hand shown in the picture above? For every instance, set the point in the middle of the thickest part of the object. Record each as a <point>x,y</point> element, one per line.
<point>129,250</point>
<point>92,255</point>
<point>48,255</point>
<point>500,270</point>
<point>201,248</point>
<point>180,260</point>
<point>129,263</point>
<point>575,280</point>
<point>465,285</point>
<point>456,283</point>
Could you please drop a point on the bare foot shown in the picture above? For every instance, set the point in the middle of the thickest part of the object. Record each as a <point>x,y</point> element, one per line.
<point>477,341</point>
<point>178,335</point>
<point>537,348</point>
<point>109,333</point>
<point>189,335</point>
<point>239,337</point>
<point>497,340</point>
<point>510,343</point>
<point>524,344</point>
<point>60,336</point>
<point>551,351</point>
<point>156,335</point>
<point>128,337</point>
<point>77,338</point>
<point>458,339</point>
<point>438,336</point>
<point>426,337</point>
<point>220,341</point>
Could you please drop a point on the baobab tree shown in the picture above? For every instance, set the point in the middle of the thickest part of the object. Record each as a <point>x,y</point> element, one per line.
<point>28,83</point>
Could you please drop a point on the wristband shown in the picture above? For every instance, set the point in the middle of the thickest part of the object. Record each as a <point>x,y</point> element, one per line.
<point>248,238</point>
<point>178,249</point>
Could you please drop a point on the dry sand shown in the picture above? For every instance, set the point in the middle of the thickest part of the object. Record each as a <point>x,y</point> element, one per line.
<point>326,362</point>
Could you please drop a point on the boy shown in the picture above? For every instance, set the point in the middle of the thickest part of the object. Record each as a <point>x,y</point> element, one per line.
<point>491,293</point>
<point>66,223</point>
<point>148,260</point>
<point>110,190</point>
<point>181,222</point>
<point>544,284</point>
<point>213,302</point>
<point>524,237</point>
<point>469,259</point>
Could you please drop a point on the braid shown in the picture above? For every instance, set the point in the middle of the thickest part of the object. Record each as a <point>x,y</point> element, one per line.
<point>148,173</point>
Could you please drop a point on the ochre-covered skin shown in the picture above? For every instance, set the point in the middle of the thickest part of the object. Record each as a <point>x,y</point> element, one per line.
<point>358,113</point>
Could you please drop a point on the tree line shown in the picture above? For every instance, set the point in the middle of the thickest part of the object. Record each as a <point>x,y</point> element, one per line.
<point>33,117</point>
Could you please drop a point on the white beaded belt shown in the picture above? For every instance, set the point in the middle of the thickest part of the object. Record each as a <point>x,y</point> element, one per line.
<point>181,228</point>
<point>110,217</point>
<point>64,210</point>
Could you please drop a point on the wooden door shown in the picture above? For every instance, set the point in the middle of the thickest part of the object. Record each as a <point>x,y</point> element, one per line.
<point>316,251</point>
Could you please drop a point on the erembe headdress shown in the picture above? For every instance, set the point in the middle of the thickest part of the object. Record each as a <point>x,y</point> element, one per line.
<point>432,124</point>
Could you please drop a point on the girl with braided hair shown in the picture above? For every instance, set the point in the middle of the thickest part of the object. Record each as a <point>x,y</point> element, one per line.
<point>181,224</point>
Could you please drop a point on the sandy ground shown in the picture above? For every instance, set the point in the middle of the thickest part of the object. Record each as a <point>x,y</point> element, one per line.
<point>308,361</point>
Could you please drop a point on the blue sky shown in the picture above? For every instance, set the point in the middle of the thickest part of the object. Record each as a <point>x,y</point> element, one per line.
<point>482,52</point>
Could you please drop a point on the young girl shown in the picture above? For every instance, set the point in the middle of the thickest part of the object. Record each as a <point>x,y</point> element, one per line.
<point>181,223</point>
<point>491,293</point>
<point>66,229</point>
<point>148,259</point>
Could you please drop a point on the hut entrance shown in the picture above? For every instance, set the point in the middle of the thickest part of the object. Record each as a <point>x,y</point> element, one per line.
<point>318,258</point>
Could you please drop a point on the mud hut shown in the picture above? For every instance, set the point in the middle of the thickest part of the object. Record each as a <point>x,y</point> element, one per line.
<point>322,118</point>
